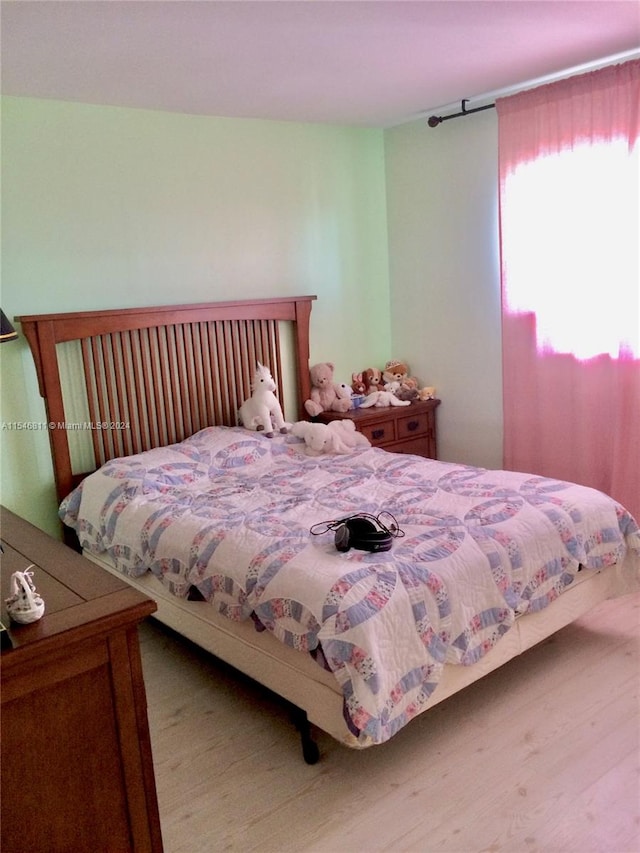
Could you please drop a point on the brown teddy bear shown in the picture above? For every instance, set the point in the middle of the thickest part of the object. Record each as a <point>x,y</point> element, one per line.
<point>325,396</point>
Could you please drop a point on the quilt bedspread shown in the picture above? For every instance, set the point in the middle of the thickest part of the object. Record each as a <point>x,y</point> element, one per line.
<point>229,512</point>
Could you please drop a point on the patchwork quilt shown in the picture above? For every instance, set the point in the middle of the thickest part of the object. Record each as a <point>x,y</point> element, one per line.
<point>229,512</point>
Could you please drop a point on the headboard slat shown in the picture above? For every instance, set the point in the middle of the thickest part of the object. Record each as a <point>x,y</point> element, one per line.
<point>206,364</point>
<point>164,372</point>
<point>89,371</point>
<point>131,354</point>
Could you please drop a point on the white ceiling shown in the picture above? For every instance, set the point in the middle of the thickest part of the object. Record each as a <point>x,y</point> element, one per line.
<point>372,63</point>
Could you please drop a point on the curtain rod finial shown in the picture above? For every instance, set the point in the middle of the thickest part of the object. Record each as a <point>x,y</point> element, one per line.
<point>434,121</point>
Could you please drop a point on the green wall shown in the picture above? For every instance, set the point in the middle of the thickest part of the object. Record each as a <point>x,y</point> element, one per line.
<point>442,212</point>
<point>110,207</point>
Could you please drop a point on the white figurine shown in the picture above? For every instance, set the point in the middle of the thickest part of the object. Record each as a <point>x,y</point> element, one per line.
<point>24,605</point>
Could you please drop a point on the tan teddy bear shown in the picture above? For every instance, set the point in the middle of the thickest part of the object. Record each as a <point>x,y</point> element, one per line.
<point>325,396</point>
<point>405,387</point>
<point>397,380</point>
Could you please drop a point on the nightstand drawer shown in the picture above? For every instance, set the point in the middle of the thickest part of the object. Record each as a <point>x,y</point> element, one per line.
<point>380,432</point>
<point>413,425</point>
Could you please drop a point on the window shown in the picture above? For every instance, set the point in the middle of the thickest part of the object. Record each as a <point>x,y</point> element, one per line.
<point>570,242</point>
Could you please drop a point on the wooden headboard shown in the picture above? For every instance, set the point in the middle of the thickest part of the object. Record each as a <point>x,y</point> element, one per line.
<point>153,376</point>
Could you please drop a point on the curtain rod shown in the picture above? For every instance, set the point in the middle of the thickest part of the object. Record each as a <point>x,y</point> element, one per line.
<point>435,120</point>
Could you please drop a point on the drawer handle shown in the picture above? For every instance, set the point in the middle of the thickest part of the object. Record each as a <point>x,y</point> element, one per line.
<point>377,433</point>
<point>413,425</point>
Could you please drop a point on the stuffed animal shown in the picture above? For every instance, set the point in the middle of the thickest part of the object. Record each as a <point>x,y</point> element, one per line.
<point>405,387</point>
<point>402,392</point>
<point>344,392</point>
<point>397,380</point>
<point>427,393</point>
<point>336,437</point>
<point>262,411</point>
<point>357,384</point>
<point>317,437</point>
<point>346,437</point>
<point>372,378</point>
<point>324,392</point>
<point>383,398</point>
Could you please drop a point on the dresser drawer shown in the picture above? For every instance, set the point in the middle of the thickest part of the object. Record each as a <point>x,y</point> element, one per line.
<point>413,425</point>
<point>379,432</point>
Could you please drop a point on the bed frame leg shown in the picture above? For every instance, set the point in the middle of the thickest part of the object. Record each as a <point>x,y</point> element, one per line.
<point>310,751</point>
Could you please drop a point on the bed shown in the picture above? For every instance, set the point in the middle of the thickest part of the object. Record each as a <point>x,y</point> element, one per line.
<point>158,484</point>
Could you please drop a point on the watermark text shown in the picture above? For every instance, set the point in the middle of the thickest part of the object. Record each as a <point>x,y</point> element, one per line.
<point>35,426</point>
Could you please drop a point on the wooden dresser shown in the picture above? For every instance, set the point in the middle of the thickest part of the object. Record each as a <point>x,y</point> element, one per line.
<point>77,771</point>
<point>401,429</point>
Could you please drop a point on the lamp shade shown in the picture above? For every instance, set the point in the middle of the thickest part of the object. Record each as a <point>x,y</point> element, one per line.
<point>7,332</point>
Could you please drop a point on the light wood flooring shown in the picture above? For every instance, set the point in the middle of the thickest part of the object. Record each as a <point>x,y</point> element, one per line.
<point>541,756</point>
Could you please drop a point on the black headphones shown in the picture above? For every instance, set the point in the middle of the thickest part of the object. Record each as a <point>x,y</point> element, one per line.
<point>362,531</point>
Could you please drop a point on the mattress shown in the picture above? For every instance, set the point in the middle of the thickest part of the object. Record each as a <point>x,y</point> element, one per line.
<point>229,512</point>
<point>300,679</point>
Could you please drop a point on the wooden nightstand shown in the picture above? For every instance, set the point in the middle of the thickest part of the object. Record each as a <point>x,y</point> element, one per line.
<point>77,771</point>
<point>401,429</point>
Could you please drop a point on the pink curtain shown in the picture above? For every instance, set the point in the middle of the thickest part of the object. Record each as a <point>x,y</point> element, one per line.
<point>569,417</point>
